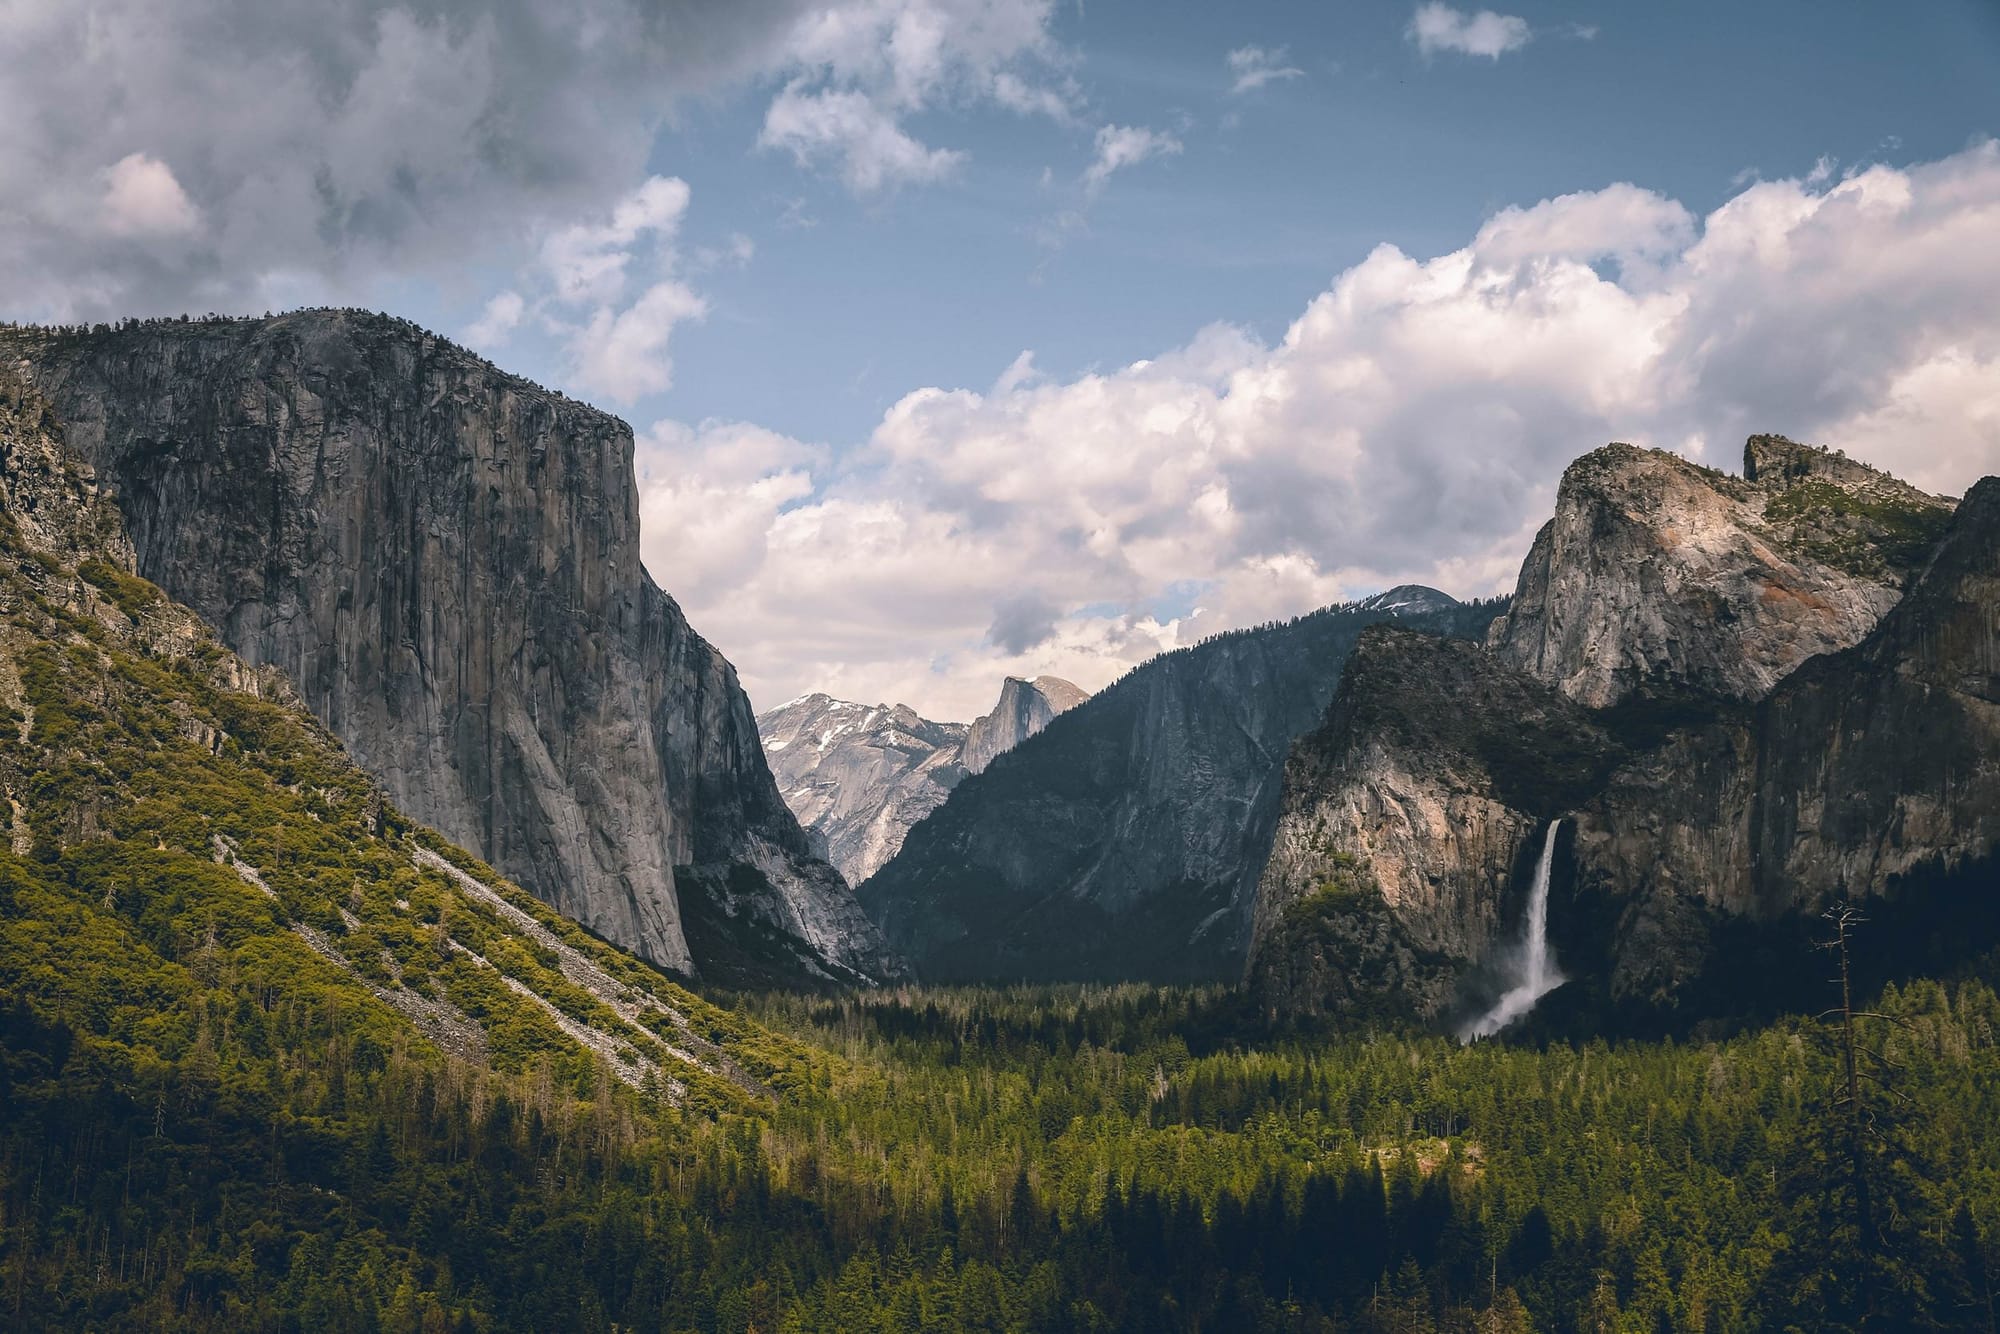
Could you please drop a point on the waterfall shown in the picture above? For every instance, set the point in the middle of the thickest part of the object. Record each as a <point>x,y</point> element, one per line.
<point>1534,973</point>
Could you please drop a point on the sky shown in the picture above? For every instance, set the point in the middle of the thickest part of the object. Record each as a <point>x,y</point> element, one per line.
<point>963,338</point>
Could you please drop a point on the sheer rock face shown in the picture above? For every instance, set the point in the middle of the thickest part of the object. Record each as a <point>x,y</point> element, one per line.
<point>445,560</point>
<point>1435,765</point>
<point>860,776</point>
<point>1125,840</point>
<point>1860,769</point>
<point>1657,571</point>
<point>1025,708</point>
<point>1689,806</point>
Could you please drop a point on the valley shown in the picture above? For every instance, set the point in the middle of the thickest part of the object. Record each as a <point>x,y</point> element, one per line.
<point>408,925</point>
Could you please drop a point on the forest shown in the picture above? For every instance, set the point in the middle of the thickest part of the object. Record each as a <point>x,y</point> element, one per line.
<point>271,1057</point>
<point>1129,1158</point>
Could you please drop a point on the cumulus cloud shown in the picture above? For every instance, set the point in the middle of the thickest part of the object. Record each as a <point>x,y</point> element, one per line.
<point>1022,622</point>
<point>873,150</point>
<point>618,349</point>
<point>1121,146</point>
<point>587,261</point>
<point>1254,66</point>
<point>622,354</point>
<point>861,69</point>
<point>1411,423</point>
<point>142,199</point>
<point>325,146</point>
<point>1439,27</point>
<point>579,287</point>
<point>497,322</point>
<point>293,150</point>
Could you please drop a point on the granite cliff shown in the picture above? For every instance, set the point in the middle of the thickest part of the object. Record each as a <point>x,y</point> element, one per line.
<point>1656,570</point>
<point>859,776</point>
<point>174,815</point>
<point>1025,707</point>
<point>444,559</point>
<point>1125,839</point>
<point>1745,697</point>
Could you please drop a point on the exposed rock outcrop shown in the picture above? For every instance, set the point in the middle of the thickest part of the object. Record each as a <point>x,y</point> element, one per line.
<point>1025,708</point>
<point>1125,840</point>
<point>1656,571</point>
<point>860,776</point>
<point>1433,769</point>
<point>1613,699</point>
<point>445,560</point>
<point>1860,770</point>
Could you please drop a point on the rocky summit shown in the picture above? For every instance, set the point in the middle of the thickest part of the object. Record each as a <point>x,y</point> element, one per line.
<point>1744,698</point>
<point>1656,570</point>
<point>444,559</point>
<point>859,776</point>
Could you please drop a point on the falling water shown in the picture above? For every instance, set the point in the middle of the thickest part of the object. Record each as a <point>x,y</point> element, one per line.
<point>1535,973</point>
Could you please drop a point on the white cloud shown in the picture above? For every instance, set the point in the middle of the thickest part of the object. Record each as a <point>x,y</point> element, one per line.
<point>1121,146</point>
<point>615,348</point>
<point>849,127</point>
<point>1255,66</point>
<point>318,151</point>
<point>622,355</point>
<point>142,199</point>
<point>1438,27</point>
<point>736,251</point>
<point>587,261</point>
<point>497,322</point>
<point>858,70</point>
<point>1410,424</point>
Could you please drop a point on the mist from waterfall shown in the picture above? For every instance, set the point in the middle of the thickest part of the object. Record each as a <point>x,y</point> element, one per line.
<point>1534,973</point>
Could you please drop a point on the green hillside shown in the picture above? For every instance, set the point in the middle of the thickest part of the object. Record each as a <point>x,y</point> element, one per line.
<point>270,1058</point>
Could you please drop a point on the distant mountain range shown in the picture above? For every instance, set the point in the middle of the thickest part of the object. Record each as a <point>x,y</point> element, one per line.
<point>858,776</point>
<point>1742,696</point>
<point>1126,838</point>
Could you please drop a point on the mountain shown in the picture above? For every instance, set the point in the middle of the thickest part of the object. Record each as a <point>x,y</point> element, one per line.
<point>1125,840</point>
<point>193,866</point>
<point>1024,708</point>
<point>858,776</point>
<point>444,559</point>
<point>1704,817</point>
<point>1657,570</point>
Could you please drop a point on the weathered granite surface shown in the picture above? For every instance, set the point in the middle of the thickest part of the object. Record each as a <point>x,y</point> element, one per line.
<point>445,559</point>
<point>1625,694</point>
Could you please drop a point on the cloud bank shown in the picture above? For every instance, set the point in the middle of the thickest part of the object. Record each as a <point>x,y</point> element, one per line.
<point>239,154</point>
<point>1411,423</point>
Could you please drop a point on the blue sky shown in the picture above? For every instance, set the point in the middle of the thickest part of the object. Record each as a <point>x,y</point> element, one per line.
<point>965,337</point>
<point>1273,192</point>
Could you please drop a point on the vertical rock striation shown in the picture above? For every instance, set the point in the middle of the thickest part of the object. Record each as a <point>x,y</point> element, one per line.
<point>858,776</point>
<point>1025,708</point>
<point>445,559</point>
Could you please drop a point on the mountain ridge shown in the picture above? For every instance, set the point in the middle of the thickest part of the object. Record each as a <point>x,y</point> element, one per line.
<point>859,776</point>
<point>1699,808</point>
<point>444,559</point>
<point>1121,841</point>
